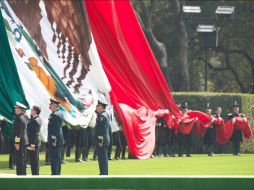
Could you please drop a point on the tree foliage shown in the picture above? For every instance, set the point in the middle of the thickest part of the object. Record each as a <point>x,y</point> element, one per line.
<point>231,65</point>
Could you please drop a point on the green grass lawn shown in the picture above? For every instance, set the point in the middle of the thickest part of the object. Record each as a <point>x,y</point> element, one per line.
<point>196,165</point>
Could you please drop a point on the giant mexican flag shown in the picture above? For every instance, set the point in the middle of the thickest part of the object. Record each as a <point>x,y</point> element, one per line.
<point>78,52</point>
<point>55,55</point>
<point>50,62</point>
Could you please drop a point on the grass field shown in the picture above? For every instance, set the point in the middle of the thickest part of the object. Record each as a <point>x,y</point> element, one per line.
<point>196,165</point>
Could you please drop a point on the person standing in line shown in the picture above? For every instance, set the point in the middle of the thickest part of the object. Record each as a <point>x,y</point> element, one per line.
<point>20,141</point>
<point>33,133</point>
<point>185,140</point>
<point>218,114</point>
<point>210,135</point>
<point>102,137</point>
<point>237,136</point>
<point>55,136</point>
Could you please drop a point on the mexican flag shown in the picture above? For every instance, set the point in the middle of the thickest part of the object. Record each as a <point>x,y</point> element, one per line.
<point>47,67</point>
<point>78,52</point>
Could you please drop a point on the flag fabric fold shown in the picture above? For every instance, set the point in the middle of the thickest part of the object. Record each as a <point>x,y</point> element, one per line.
<point>133,72</point>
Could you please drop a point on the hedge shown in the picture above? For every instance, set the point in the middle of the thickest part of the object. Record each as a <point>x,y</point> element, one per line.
<point>199,100</point>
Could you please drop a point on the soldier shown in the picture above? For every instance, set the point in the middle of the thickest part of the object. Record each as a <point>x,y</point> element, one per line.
<point>110,142</point>
<point>162,137</point>
<point>66,139</point>
<point>85,150</point>
<point>157,136</point>
<point>20,142</point>
<point>169,142</point>
<point>237,135</point>
<point>210,135</point>
<point>71,141</point>
<point>123,143</point>
<point>102,137</point>
<point>218,112</point>
<point>8,132</point>
<point>117,143</point>
<point>184,139</point>
<point>89,143</point>
<point>33,133</point>
<point>55,136</point>
<point>81,145</point>
<point>117,138</point>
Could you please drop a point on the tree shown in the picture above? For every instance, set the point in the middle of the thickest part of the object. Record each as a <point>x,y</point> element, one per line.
<point>231,64</point>
<point>231,67</point>
<point>183,78</point>
<point>159,49</point>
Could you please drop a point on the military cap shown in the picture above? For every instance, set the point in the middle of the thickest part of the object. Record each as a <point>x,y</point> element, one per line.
<point>20,105</point>
<point>235,104</point>
<point>103,103</point>
<point>54,101</point>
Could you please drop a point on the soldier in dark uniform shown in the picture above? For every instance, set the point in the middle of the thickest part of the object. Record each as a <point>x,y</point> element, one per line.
<point>110,142</point>
<point>66,139</point>
<point>162,137</point>
<point>102,137</point>
<point>55,137</point>
<point>81,145</point>
<point>8,133</point>
<point>169,142</point>
<point>184,140</point>
<point>210,135</point>
<point>218,114</point>
<point>89,142</point>
<point>20,142</point>
<point>118,139</point>
<point>124,144</point>
<point>85,149</point>
<point>237,135</point>
<point>117,143</point>
<point>33,133</point>
<point>72,138</point>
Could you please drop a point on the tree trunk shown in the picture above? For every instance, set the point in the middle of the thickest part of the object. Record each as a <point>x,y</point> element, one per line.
<point>182,71</point>
<point>158,48</point>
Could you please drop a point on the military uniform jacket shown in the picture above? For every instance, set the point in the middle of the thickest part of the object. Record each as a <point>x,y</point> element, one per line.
<point>237,135</point>
<point>33,131</point>
<point>55,133</point>
<point>20,129</point>
<point>210,136</point>
<point>102,129</point>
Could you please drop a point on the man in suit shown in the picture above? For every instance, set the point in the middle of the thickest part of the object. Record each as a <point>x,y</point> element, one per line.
<point>20,142</point>
<point>237,135</point>
<point>55,136</point>
<point>102,136</point>
<point>33,133</point>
